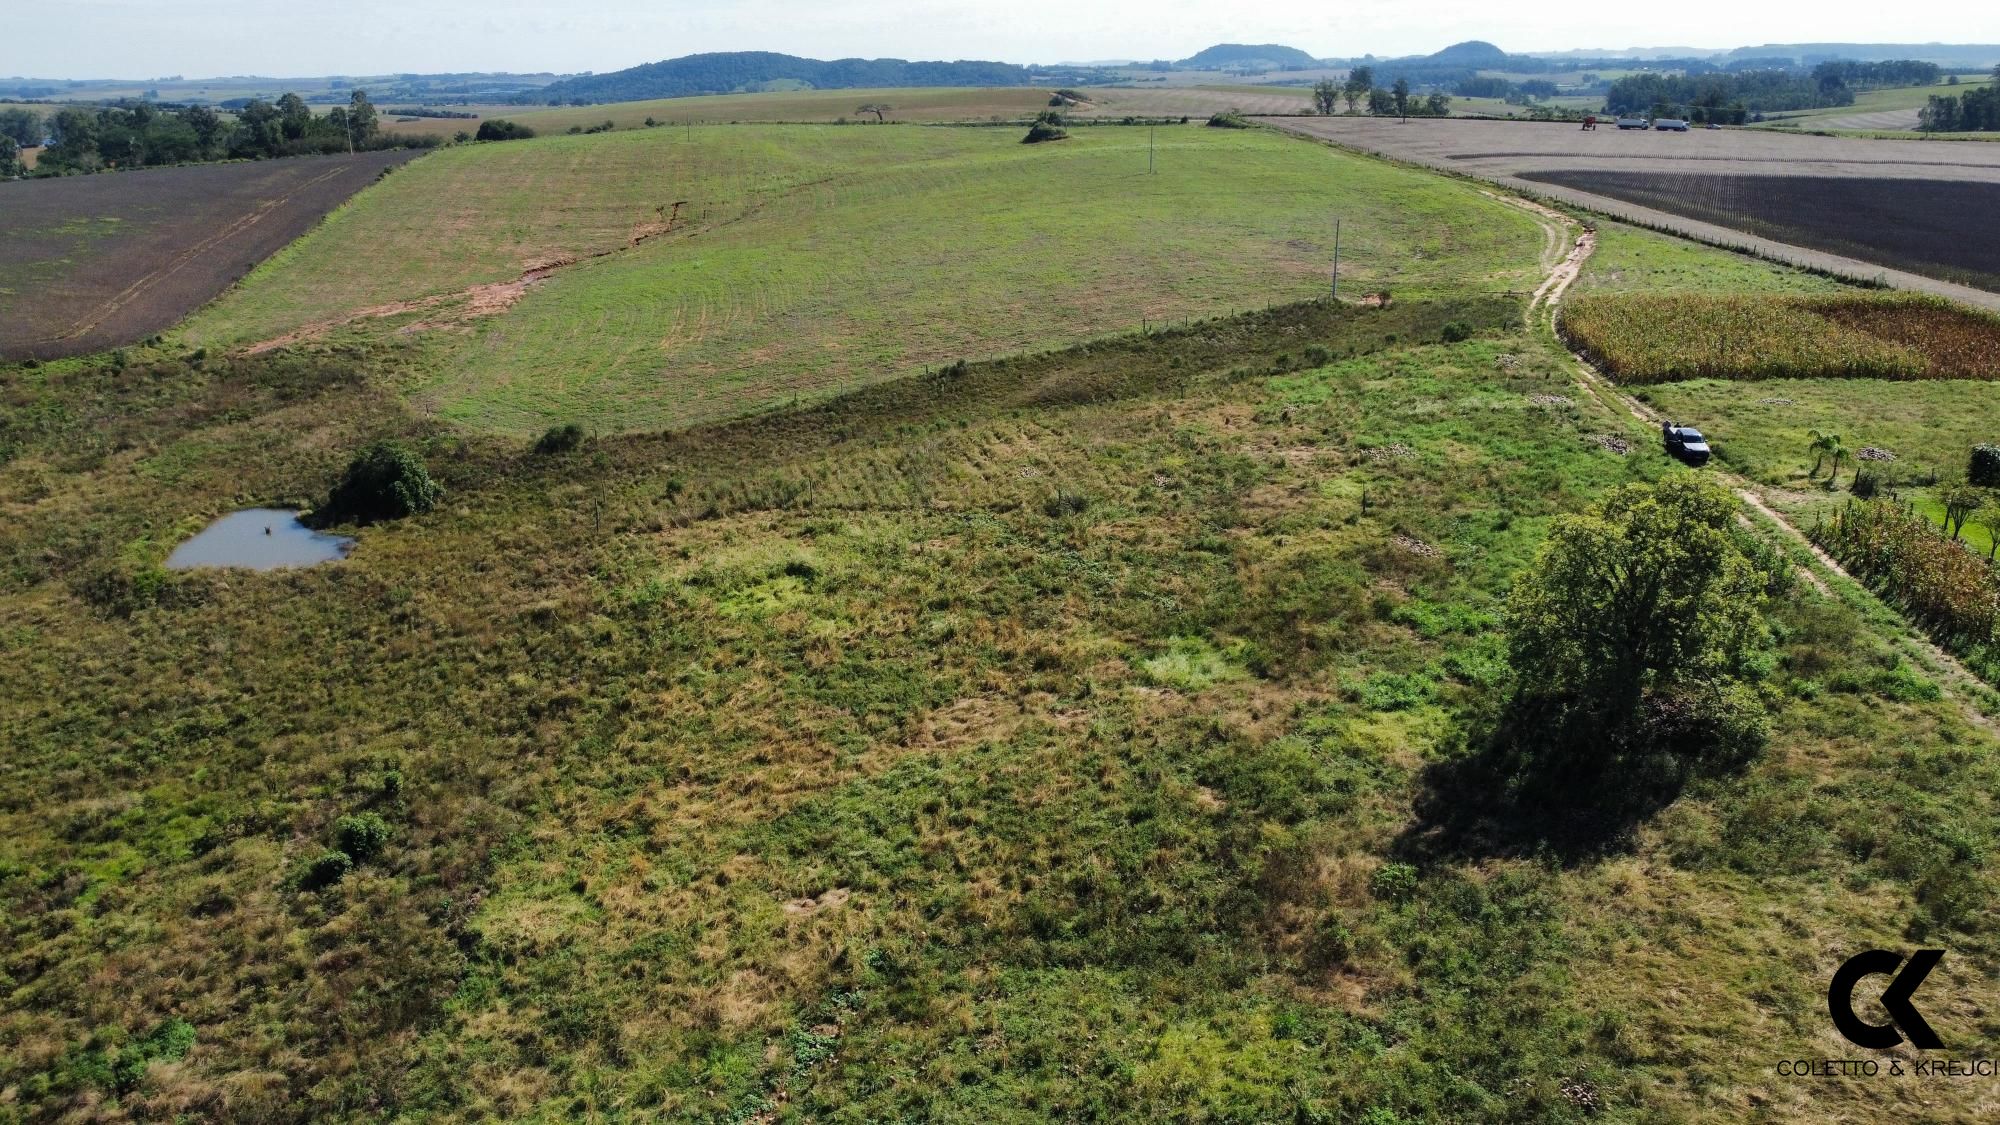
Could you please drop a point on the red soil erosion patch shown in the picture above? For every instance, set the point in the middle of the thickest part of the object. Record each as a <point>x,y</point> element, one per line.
<point>95,262</point>
<point>489,299</point>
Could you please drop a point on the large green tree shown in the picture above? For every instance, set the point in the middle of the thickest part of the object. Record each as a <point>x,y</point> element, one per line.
<point>1360,80</point>
<point>294,116</point>
<point>361,120</point>
<point>1637,632</point>
<point>1326,96</point>
<point>24,126</point>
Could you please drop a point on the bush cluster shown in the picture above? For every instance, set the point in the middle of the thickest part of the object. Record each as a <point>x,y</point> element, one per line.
<point>1984,468</point>
<point>383,482</point>
<point>500,129</point>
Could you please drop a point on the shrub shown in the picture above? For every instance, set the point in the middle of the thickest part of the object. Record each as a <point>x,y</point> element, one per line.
<point>500,129</point>
<point>383,482</point>
<point>1042,131</point>
<point>123,588</point>
<point>361,837</point>
<point>325,870</point>
<point>1065,503</point>
<point>1455,331</point>
<point>168,1042</point>
<point>1231,119</point>
<point>1984,469</point>
<point>1393,882</point>
<point>559,439</point>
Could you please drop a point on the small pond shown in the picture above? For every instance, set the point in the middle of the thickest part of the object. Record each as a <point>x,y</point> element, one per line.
<point>259,539</point>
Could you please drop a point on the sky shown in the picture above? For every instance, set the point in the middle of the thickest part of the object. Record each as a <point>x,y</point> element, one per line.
<point>210,38</point>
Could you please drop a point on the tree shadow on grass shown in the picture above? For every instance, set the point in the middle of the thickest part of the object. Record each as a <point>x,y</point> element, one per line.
<point>1525,789</point>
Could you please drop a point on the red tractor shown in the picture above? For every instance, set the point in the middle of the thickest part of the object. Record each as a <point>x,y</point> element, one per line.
<point>1590,121</point>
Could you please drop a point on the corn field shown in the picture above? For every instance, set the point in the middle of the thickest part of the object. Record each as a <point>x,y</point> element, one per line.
<point>1953,593</point>
<point>1666,337</point>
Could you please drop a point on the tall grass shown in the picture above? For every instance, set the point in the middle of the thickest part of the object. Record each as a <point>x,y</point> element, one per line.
<point>1644,338</point>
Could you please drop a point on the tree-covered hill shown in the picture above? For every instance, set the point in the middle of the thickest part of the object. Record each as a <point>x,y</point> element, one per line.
<point>1248,54</point>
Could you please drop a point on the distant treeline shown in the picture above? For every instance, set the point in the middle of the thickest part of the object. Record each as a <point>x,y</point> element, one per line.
<point>730,71</point>
<point>1518,93</point>
<point>426,111</point>
<point>1761,91</point>
<point>1872,75</point>
<point>142,134</point>
<point>1975,111</point>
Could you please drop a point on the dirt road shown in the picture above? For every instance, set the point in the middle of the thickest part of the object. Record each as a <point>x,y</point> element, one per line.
<point>1507,152</point>
<point>1977,701</point>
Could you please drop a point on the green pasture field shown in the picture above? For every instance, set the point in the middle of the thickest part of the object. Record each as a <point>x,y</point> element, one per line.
<point>1031,742</point>
<point>1629,258</point>
<point>1931,426</point>
<point>1875,101</point>
<point>923,105</point>
<point>812,259</point>
<point>911,105</point>
<point>1077,734</point>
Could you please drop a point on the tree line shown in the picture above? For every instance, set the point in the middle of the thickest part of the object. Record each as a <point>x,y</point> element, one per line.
<point>1394,101</point>
<point>138,134</point>
<point>1758,91</point>
<point>1718,96</point>
<point>1975,111</point>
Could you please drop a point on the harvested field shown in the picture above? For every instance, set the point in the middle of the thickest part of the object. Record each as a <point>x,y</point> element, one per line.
<point>1550,160</point>
<point>1666,337</point>
<point>97,262</point>
<point>1922,226</point>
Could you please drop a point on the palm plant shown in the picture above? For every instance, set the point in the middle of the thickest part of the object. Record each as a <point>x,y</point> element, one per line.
<point>1837,450</point>
<point>1822,444</point>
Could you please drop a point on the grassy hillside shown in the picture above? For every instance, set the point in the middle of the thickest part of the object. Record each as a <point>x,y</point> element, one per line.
<point>924,105</point>
<point>1089,733</point>
<point>1031,742</point>
<point>1632,259</point>
<point>807,260</point>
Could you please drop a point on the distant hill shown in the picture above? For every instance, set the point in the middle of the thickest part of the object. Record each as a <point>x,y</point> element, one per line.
<point>1224,55</point>
<point>1472,52</point>
<point>730,71</point>
<point>1944,54</point>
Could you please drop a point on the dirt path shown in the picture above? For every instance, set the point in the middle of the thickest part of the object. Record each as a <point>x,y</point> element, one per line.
<point>490,299</point>
<point>1958,681</point>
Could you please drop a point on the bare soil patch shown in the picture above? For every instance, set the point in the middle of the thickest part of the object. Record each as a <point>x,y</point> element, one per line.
<point>95,262</point>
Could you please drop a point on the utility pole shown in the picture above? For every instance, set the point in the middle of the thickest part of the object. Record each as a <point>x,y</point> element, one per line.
<point>1336,259</point>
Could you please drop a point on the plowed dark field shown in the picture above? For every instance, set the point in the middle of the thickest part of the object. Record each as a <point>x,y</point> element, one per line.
<point>95,262</point>
<point>1938,228</point>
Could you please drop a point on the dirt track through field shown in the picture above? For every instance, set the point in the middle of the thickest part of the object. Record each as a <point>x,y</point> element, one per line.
<point>477,301</point>
<point>1504,153</point>
<point>1958,681</point>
